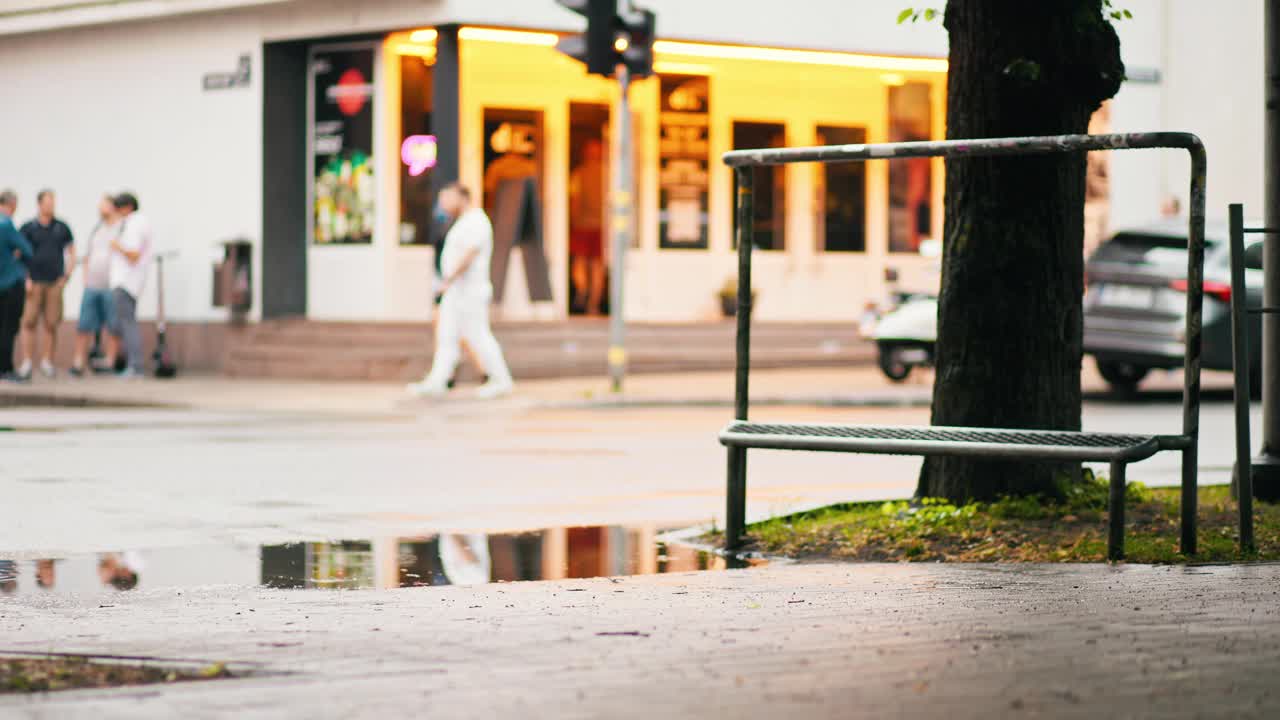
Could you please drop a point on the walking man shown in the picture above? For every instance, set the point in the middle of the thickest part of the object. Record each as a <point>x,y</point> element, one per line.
<point>96,309</point>
<point>53,257</point>
<point>465,296</point>
<point>15,252</point>
<point>127,275</point>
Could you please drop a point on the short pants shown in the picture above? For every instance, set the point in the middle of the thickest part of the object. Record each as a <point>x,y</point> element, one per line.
<point>44,305</point>
<point>97,311</point>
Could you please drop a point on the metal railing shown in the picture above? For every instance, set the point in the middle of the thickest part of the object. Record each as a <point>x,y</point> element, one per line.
<point>745,161</point>
<point>1241,367</point>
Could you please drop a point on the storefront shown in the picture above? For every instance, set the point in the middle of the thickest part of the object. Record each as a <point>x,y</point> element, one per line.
<point>393,117</point>
<point>283,123</point>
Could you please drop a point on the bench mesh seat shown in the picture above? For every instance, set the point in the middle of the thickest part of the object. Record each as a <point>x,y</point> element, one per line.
<point>915,440</point>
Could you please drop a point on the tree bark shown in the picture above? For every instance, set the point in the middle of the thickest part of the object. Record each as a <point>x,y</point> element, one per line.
<point>1010,316</point>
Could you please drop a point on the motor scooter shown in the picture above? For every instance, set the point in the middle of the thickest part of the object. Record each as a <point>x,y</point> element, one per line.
<point>905,331</point>
<point>166,366</point>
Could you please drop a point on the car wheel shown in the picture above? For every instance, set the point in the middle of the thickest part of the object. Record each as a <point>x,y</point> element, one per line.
<point>1121,376</point>
<point>891,364</point>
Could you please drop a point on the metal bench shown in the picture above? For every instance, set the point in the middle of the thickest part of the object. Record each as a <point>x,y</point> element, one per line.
<point>1117,449</point>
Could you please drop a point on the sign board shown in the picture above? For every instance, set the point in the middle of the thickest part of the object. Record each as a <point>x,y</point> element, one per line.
<point>343,190</point>
<point>684,161</point>
<point>238,78</point>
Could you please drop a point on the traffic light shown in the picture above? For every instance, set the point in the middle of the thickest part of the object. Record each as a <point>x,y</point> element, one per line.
<point>636,38</point>
<point>614,35</point>
<point>595,46</point>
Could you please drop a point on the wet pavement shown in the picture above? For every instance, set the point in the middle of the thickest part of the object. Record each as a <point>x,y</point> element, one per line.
<point>812,641</point>
<point>169,531</point>
<point>370,564</point>
<point>101,479</point>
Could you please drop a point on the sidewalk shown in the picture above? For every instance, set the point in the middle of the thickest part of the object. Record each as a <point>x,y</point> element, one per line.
<point>813,641</point>
<point>835,387</point>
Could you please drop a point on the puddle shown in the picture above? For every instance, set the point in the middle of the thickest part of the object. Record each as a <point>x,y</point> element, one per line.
<point>378,563</point>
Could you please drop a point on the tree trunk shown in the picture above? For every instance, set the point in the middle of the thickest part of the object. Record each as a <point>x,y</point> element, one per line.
<point>1010,317</point>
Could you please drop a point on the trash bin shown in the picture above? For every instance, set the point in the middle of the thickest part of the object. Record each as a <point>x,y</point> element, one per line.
<point>233,277</point>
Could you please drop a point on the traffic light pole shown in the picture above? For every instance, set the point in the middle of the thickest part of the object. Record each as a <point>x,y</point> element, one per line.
<point>620,231</point>
<point>1266,467</point>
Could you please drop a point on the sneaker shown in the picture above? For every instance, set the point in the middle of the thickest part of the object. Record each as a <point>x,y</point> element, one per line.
<point>47,369</point>
<point>75,371</point>
<point>14,378</point>
<point>425,389</point>
<point>494,389</point>
<point>129,374</point>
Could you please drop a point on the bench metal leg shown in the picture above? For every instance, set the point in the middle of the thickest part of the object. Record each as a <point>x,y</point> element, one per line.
<point>735,523</point>
<point>1115,513</point>
<point>1190,498</point>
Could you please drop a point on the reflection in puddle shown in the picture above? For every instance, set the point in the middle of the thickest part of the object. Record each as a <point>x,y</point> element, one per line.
<point>445,559</point>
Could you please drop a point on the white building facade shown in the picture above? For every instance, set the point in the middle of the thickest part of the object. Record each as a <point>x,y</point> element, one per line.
<point>211,111</point>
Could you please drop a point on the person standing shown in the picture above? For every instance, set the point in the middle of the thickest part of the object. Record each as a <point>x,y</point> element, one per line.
<point>466,293</point>
<point>53,257</point>
<point>96,309</point>
<point>127,276</point>
<point>15,252</point>
<point>586,223</point>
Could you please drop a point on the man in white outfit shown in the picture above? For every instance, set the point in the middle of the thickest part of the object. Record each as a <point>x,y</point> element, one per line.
<point>466,295</point>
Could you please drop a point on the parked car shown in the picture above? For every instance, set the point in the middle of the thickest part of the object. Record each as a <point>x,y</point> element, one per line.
<point>1135,303</point>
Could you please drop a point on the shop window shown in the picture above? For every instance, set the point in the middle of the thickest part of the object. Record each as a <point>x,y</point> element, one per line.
<point>910,180</point>
<point>842,195</point>
<point>417,152</point>
<point>684,162</point>
<point>344,208</point>
<point>512,149</point>
<point>770,184</point>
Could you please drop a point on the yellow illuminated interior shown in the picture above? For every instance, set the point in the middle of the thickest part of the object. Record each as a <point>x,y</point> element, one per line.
<point>427,35</point>
<point>808,57</point>
<point>422,43</point>
<point>516,37</point>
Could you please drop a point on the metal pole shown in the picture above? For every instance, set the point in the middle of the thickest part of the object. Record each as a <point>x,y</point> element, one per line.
<point>736,492</point>
<point>1194,348</point>
<point>621,232</point>
<point>1115,514</point>
<point>1266,467</point>
<point>1240,363</point>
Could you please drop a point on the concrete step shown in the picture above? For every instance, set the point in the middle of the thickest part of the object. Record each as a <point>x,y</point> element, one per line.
<point>402,351</point>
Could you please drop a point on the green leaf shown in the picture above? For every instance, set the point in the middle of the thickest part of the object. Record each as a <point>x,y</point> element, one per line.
<point>930,13</point>
<point>1128,15</point>
<point>904,15</point>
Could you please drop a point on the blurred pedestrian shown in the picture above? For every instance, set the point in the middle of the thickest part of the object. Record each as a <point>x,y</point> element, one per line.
<point>46,574</point>
<point>15,252</point>
<point>586,228</point>
<point>130,259</point>
<point>53,258</point>
<point>466,293</point>
<point>96,309</point>
<point>119,570</point>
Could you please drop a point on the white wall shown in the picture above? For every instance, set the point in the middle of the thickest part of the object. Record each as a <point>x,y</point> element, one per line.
<point>109,108</point>
<point>1215,89</point>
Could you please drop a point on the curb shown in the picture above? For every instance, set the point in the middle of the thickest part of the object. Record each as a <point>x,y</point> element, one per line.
<point>826,401</point>
<point>37,399</point>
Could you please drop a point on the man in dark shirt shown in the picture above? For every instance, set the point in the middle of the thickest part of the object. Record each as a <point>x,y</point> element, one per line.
<point>53,258</point>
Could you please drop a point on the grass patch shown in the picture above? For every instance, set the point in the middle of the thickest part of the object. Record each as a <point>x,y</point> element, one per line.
<point>47,674</point>
<point>1018,529</point>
